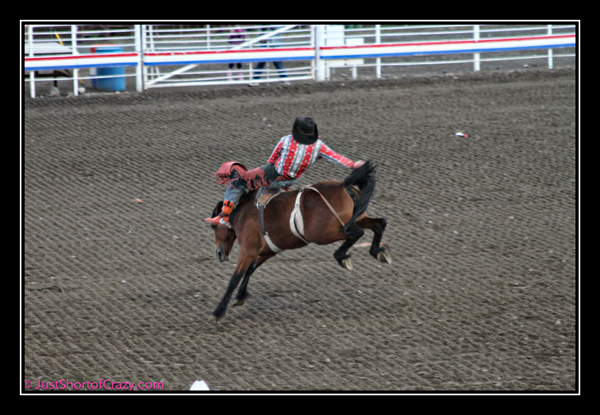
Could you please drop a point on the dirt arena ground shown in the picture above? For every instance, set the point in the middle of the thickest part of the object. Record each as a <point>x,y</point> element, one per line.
<point>481,294</point>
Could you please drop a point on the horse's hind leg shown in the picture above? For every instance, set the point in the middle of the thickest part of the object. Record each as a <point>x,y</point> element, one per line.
<point>377,225</point>
<point>341,255</point>
<point>242,294</point>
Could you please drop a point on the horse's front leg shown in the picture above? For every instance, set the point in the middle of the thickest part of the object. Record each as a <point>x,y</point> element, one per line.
<point>242,294</point>
<point>245,260</point>
<point>377,225</point>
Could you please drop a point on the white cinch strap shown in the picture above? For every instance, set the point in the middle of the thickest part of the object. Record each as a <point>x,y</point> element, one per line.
<point>296,224</point>
<point>273,247</point>
<point>297,220</point>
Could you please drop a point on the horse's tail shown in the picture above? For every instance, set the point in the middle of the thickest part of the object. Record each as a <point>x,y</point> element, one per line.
<point>364,178</point>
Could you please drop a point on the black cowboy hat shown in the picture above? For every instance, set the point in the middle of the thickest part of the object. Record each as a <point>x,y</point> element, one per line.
<point>305,131</point>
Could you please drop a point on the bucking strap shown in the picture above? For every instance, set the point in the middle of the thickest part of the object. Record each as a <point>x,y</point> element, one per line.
<point>328,205</point>
<point>296,219</point>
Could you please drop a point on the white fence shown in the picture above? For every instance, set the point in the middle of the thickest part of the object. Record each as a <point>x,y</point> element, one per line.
<point>210,46</point>
<point>166,55</point>
<point>62,51</point>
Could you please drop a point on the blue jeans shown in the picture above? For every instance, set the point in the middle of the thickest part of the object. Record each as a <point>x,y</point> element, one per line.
<point>278,65</point>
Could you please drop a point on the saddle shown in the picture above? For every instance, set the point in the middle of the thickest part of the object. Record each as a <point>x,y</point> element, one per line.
<point>264,196</point>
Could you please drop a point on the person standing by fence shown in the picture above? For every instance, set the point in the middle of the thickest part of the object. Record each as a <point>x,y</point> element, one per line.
<point>236,37</point>
<point>274,42</point>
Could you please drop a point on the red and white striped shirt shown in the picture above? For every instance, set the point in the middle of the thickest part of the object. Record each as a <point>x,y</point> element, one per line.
<point>291,159</point>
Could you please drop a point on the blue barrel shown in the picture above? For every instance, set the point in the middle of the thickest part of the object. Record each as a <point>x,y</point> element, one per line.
<point>109,84</point>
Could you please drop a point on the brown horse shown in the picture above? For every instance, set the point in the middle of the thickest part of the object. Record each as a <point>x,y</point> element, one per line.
<point>349,199</point>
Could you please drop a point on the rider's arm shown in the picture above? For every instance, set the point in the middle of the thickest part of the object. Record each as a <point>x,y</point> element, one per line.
<point>330,155</point>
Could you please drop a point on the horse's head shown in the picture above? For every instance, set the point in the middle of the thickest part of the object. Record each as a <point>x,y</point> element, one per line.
<point>224,237</point>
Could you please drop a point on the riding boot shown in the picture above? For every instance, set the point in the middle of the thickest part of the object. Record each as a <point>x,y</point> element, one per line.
<point>223,217</point>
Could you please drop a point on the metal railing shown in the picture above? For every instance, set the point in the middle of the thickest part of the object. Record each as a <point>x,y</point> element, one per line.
<point>72,52</point>
<point>412,45</point>
<point>225,59</point>
<point>171,55</point>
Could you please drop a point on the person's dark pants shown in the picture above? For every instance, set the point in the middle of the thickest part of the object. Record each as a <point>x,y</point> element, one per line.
<point>251,180</point>
<point>278,65</point>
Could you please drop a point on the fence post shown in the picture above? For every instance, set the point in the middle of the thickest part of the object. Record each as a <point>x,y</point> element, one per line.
<point>139,49</point>
<point>378,42</point>
<point>319,41</point>
<point>476,63</point>
<point>208,36</point>
<point>74,51</point>
<point>31,73</point>
<point>550,62</point>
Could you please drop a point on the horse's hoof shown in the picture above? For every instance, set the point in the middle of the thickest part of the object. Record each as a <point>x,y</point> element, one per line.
<point>385,257</point>
<point>347,263</point>
<point>242,300</point>
<point>214,319</point>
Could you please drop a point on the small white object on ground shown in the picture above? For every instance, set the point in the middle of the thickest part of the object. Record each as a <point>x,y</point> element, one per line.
<point>199,385</point>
